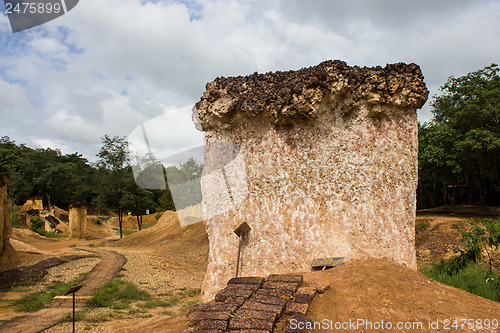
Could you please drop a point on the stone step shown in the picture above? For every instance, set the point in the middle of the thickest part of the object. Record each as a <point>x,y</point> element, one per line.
<point>252,305</point>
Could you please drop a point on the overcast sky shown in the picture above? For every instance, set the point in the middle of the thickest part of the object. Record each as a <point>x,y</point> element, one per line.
<point>107,66</point>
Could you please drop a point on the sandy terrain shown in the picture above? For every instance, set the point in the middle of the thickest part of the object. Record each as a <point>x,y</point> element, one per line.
<point>166,258</point>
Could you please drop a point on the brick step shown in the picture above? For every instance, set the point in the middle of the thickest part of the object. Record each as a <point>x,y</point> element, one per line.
<point>253,305</point>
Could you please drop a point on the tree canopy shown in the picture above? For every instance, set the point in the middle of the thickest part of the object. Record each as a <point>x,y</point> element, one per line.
<point>459,150</point>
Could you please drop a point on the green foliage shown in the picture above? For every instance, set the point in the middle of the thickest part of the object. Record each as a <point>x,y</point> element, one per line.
<point>124,231</point>
<point>98,222</point>
<point>184,183</point>
<point>36,301</point>
<point>190,292</point>
<point>59,179</point>
<point>187,305</point>
<point>421,226</point>
<point>64,179</point>
<point>49,234</point>
<point>36,223</point>
<point>462,271</point>
<point>478,238</point>
<point>462,143</point>
<point>158,215</point>
<point>471,279</point>
<point>118,294</point>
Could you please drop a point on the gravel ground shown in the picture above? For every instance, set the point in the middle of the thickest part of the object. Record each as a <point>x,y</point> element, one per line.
<point>150,273</point>
<point>67,272</point>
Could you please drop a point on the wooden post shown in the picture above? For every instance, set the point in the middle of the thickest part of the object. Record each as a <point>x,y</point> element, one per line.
<point>73,312</point>
<point>73,290</point>
<point>239,252</point>
<point>240,232</point>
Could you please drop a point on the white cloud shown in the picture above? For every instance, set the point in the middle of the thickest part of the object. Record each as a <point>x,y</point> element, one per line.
<point>109,65</point>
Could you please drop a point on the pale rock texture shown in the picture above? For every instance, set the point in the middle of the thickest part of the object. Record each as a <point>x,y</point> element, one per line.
<point>326,166</point>
<point>77,220</point>
<point>5,221</point>
<point>34,203</point>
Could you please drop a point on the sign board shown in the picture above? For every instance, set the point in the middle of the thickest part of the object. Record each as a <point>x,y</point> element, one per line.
<point>74,289</point>
<point>327,262</point>
<point>242,229</point>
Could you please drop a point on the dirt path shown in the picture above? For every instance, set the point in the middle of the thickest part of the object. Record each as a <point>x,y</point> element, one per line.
<point>59,308</point>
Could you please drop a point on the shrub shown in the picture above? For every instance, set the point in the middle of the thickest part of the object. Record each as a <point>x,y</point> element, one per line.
<point>158,215</point>
<point>421,226</point>
<point>118,295</point>
<point>36,301</point>
<point>36,223</point>
<point>473,279</point>
<point>463,271</point>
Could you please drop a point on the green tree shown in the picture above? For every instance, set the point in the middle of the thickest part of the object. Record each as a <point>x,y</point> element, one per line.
<point>462,143</point>
<point>113,161</point>
<point>136,199</point>
<point>184,183</point>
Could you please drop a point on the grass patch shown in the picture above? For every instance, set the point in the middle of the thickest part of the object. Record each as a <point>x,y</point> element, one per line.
<point>421,225</point>
<point>148,225</point>
<point>36,301</point>
<point>472,279</point>
<point>84,315</point>
<point>135,311</point>
<point>124,231</point>
<point>186,305</point>
<point>37,225</point>
<point>154,303</point>
<point>118,294</point>
<point>49,234</point>
<point>189,292</point>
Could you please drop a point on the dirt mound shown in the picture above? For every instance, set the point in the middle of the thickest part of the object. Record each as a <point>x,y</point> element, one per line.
<point>165,230</point>
<point>184,248</point>
<point>379,290</point>
<point>373,291</point>
<point>437,236</point>
<point>464,210</point>
<point>130,222</point>
<point>61,214</point>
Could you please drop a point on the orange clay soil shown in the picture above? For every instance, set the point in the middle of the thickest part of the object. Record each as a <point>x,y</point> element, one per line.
<point>370,289</point>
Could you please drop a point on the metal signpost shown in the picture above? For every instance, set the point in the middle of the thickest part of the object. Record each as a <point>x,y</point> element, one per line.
<point>73,290</point>
<point>240,232</point>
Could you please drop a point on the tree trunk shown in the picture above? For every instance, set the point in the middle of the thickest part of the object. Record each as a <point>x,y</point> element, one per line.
<point>120,220</point>
<point>48,200</point>
<point>138,221</point>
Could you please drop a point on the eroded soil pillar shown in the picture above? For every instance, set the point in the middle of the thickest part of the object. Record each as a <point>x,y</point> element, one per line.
<point>77,220</point>
<point>325,165</point>
<point>5,221</point>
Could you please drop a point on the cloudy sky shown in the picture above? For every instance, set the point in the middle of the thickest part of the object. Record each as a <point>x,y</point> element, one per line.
<point>108,66</point>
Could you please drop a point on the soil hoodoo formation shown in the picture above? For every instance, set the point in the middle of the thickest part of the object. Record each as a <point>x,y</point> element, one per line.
<point>5,221</point>
<point>325,166</point>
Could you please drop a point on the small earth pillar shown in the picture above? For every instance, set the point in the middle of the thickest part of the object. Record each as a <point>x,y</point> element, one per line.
<point>35,203</point>
<point>5,221</point>
<point>321,161</point>
<point>77,220</point>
